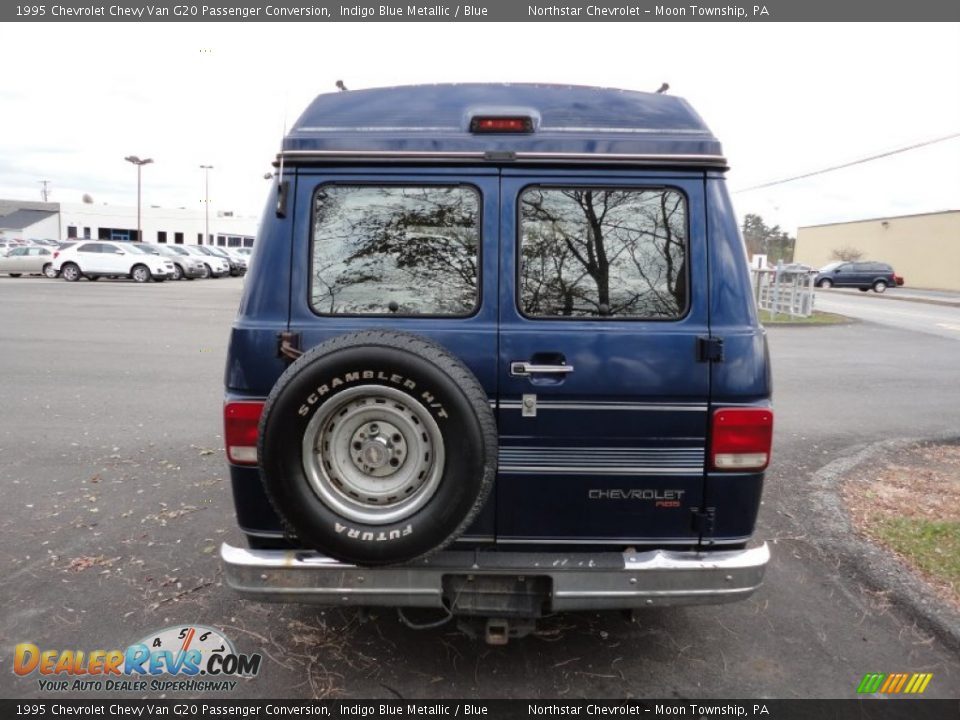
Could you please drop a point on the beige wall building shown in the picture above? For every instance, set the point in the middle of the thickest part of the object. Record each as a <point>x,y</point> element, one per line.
<point>924,249</point>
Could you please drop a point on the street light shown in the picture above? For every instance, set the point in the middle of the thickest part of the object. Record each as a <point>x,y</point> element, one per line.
<point>139,163</point>
<point>206,203</point>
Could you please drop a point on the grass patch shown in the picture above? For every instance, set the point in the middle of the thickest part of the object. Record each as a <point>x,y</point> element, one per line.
<point>910,505</point>
<point>930,545</point>
<point>818,318</point>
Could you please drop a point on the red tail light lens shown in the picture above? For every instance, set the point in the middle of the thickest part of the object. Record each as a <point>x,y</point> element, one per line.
<point>240,421</point>
<point>741,438</point>
<point>56,254</point>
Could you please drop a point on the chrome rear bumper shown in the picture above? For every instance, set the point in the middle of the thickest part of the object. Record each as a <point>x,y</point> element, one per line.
<point>578,581</point>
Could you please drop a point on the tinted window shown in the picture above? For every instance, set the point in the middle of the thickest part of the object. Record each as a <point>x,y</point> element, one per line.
<point>403,250</point>
<point>603,253</point>
<point>89,248</point>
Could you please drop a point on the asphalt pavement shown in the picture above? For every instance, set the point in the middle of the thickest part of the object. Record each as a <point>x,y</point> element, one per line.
<point>116,498</point>
<point>927,313</point>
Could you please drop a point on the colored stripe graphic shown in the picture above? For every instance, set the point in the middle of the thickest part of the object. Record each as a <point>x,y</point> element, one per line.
<point>890,682</point>
<point>920,684</point>
<point>894,683</point>
<point>871,682</point>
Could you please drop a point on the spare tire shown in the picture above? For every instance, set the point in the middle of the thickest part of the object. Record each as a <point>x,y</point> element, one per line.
<point>377,447</point>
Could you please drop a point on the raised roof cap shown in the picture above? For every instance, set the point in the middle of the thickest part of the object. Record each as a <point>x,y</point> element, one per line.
<point>568,120</point>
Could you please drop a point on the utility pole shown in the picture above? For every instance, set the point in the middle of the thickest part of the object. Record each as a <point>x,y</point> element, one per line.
<point>45,193</point>
<point>139,163</point>
<point>206,203</point>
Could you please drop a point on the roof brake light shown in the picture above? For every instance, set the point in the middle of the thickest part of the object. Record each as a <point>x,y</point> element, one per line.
<point>480,124</point>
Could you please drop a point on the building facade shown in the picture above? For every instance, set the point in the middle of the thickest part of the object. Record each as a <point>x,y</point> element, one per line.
<point>176,226</point>
<point>924,249</point>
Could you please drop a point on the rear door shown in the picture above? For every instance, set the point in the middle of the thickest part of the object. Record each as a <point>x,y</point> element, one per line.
<point>603,397</point>
<point>35,259</point>
<point>413,251</point>
<point>91,257</point>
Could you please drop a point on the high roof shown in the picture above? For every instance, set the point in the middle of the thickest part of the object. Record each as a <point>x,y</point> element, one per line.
<point>569,121</point>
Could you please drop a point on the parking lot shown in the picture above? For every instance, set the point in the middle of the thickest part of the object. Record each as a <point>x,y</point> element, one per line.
<point>116,500</point>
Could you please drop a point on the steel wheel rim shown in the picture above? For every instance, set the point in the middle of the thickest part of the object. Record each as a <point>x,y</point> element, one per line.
<point>375,475</point>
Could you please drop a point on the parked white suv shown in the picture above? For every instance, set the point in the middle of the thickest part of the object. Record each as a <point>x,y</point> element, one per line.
<point>95,259</point>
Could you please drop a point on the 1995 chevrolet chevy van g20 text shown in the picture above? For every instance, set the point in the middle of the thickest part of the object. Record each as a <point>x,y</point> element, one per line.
<point>497,353</point>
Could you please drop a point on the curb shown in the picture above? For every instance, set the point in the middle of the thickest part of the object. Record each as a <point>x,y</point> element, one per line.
<point>879,567</point>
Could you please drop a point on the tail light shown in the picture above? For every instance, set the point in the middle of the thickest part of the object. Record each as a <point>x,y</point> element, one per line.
<point>741,438</point>
<point>56,254</point>
<point>240,421</point>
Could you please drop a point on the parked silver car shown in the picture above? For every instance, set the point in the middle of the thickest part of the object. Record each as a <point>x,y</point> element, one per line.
<point>27,260</point>
<point>185,265</point>
<point>216,266</point>
<point>237,266</point>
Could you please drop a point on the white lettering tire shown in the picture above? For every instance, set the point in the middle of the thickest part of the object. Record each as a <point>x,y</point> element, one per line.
<point>377,447</point>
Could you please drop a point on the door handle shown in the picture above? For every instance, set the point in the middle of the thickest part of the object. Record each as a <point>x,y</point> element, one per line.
<point>525,369</point>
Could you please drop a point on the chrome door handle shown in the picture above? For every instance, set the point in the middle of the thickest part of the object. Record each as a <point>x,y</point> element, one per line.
<point>525,369</point>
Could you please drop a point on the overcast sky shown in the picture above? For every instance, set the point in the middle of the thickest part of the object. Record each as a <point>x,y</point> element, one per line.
<point>784,99</point>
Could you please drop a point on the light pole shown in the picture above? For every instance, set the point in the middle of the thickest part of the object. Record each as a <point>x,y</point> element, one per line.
<point>139,163</point>
<point>206,203</point>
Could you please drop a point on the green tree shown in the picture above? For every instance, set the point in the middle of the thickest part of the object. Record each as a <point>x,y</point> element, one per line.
<point>761,239</point>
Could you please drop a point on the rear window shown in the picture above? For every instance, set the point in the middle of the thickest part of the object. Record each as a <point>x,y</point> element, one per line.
<point>395,250</point>
<point>603,253</point>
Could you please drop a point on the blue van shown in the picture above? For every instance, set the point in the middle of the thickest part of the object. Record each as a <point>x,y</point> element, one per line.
<point>498,354</point>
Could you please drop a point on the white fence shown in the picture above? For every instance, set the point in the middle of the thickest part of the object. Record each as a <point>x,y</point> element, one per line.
<point>784,291</point>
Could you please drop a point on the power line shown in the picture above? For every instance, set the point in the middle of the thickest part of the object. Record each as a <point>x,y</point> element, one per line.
<point>849,164</point>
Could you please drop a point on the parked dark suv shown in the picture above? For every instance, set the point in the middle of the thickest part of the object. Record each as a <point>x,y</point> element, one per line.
<point>497,354</point>
<point>862,275</point>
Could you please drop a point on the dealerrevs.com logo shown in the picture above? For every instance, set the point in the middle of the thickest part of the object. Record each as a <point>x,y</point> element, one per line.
<point>186,658</point>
